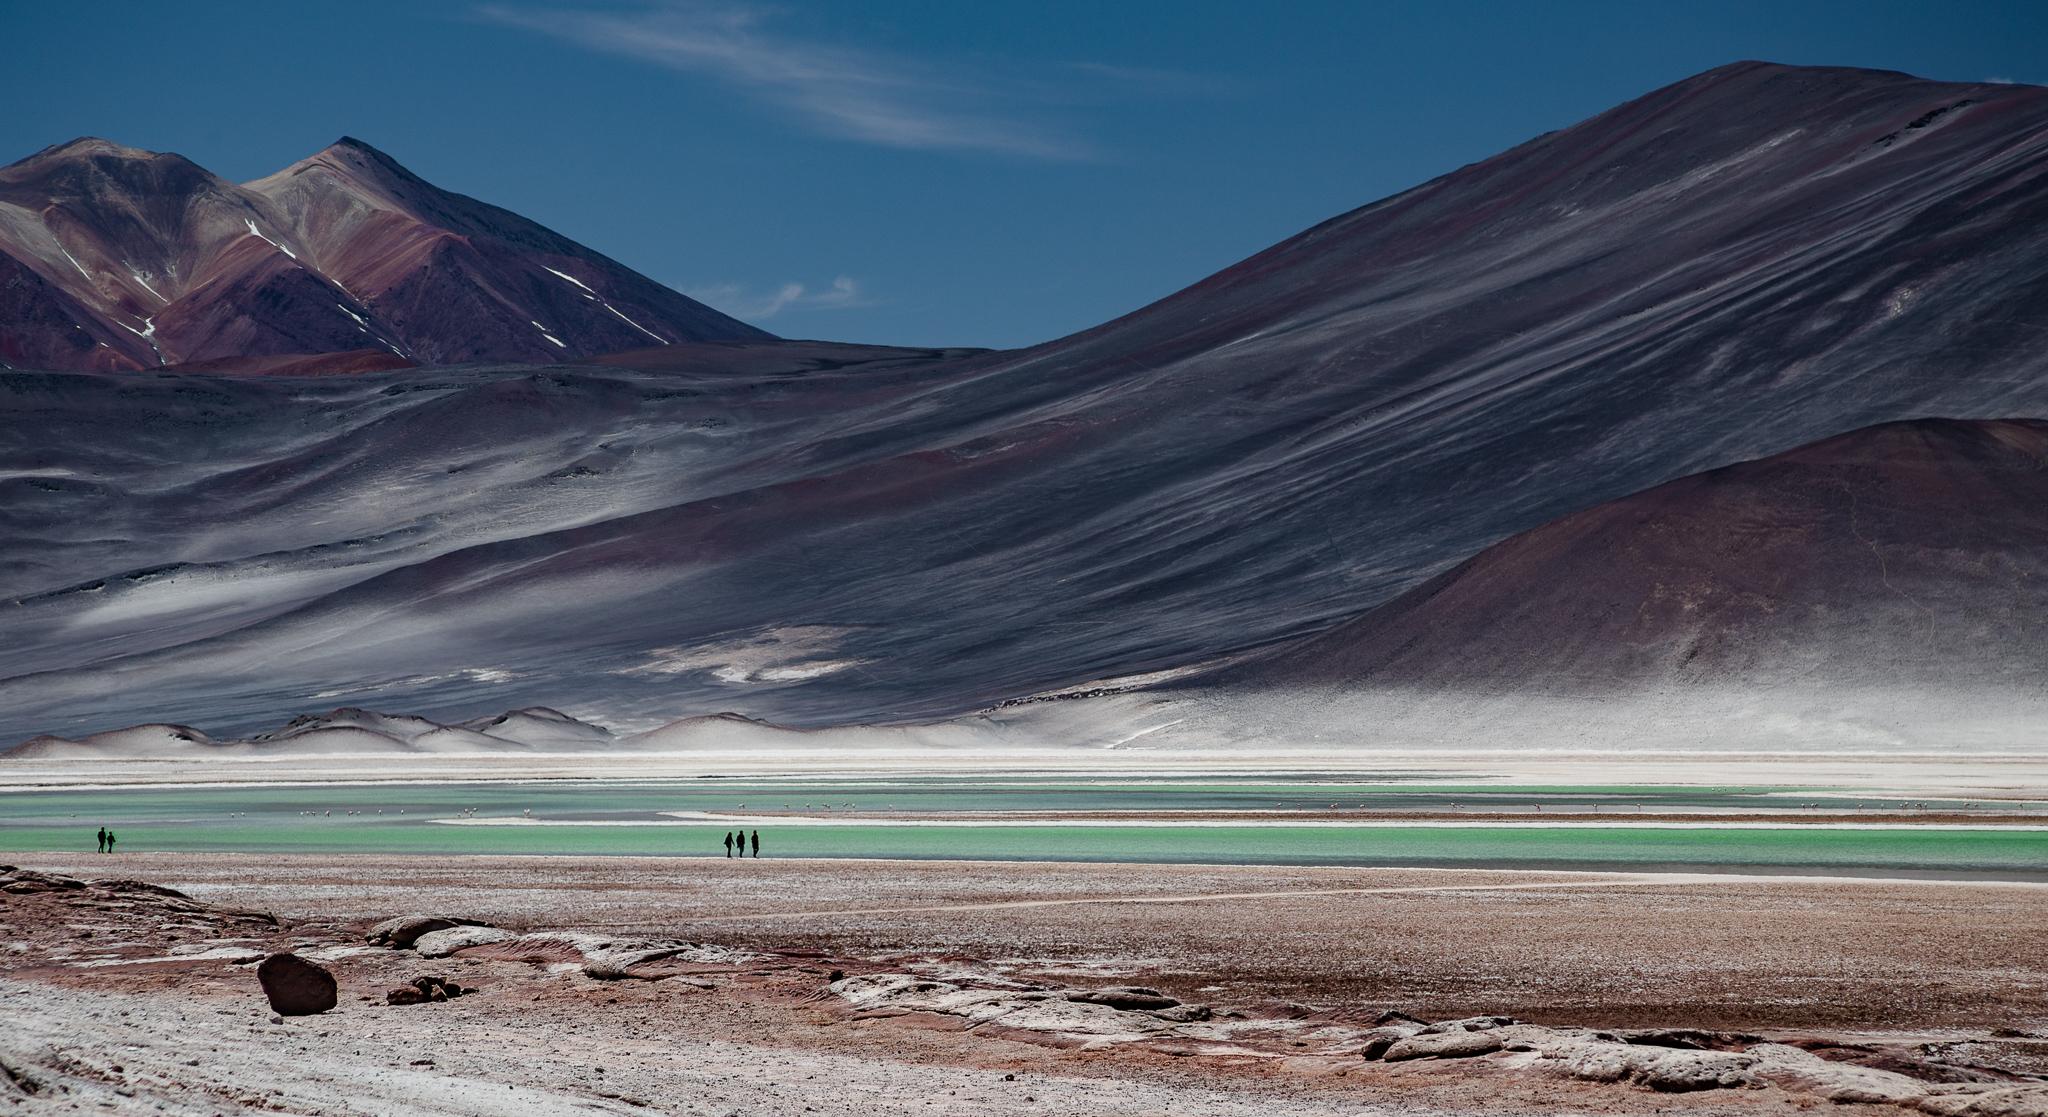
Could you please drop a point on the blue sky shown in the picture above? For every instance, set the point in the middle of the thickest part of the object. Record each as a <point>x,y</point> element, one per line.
<point>973,173</point>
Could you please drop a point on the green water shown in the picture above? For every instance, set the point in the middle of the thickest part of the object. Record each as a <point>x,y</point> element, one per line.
<point>585,817</point>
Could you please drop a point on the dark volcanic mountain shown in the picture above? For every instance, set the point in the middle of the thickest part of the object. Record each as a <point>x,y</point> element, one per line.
<point>1748,261</point>
<point>1906,555</point>
<point>114,258</point>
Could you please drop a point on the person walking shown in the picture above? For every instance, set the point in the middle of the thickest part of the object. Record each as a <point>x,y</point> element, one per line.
<point>757,845</point>
<point>728,845</point>
<point>103,839</point>
<point>110,841</point>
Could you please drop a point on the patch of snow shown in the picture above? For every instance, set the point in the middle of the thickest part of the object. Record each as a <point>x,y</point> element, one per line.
<point>75,263</point>
<point>1144,733</point>
<point>145,284</point>
<point>544,333</point>
<point>146,333</point>
<point>571,278</point>
<point>258,233</point>
<point>469,674</point>
<point>363,327</point>
<point>635,325</point>
<point>775,654</point>
<point>592,295</point>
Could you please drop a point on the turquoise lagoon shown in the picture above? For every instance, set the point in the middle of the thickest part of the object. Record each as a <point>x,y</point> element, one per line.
<point>1022,818</point>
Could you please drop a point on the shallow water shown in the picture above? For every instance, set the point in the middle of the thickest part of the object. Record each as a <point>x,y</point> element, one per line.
<point>585,817</point>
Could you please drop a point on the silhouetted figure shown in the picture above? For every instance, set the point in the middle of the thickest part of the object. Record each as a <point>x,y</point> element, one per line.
<point>110,841</point>
<point>103,839</point>
<point>728,845</point>
<point>757,843</point>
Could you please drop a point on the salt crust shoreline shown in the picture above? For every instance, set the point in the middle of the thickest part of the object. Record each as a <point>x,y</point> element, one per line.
<point>1986,776</point>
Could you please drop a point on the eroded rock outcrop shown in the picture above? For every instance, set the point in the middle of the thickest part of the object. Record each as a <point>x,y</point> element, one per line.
<point>603,957</point>
<point>401,932</point>
<point>1667,1061</point>
<point>448,940</point>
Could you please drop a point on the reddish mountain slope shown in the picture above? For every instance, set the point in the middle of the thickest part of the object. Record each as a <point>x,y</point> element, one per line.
<point>114,258</point>
<point>1903,553</point>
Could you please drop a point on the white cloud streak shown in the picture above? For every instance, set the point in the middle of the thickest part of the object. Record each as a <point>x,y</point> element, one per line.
<point>844,92</point>
<point>738,300</point>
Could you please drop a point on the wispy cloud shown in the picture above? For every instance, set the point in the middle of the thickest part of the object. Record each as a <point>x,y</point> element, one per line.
<point>842,91</point>
<point>741,301</point>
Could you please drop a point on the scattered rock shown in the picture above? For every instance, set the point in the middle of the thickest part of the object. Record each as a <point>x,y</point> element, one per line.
<point>1685,1072</point>
<point>448,940</point>
<point>1470,1024</point>
<point>1379,1040</point>
<point>1932,1070</point>
<point>607,958</point>
<point>24,881</point>
<point>18,1080</point>
<point>1186,1013</point>
<point>1443,1045</point>
<point>141,886</point>
<point>2017,1101</point>
<point>425,989</point>
<point>1804,1072</point>
<point>1130,998</point>
<point>1689,1039</point>
<point>400,932</point>
<point>295,986</point>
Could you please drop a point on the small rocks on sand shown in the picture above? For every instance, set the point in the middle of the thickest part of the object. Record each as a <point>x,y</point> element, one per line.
<point>294,986</point>
<point>425,989</point>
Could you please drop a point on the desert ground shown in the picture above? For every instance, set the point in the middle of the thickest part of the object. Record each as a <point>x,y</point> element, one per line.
<point>689,985</point>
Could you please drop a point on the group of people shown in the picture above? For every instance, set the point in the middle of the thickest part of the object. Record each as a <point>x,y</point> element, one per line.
<point>106,840</point>
<point>738,841</point>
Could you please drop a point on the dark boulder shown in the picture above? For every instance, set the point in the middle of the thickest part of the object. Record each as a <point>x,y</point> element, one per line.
<point>295,986</point>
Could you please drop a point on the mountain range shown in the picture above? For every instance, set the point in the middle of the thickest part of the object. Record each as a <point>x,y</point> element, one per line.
<point>1370,481</point>
<point>120,259</point>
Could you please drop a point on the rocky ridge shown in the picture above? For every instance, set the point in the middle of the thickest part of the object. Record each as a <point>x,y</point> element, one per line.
<point>116,258</point>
